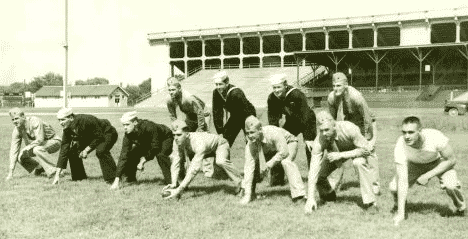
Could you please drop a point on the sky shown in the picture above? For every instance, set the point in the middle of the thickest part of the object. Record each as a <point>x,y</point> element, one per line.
<point>107,38</point>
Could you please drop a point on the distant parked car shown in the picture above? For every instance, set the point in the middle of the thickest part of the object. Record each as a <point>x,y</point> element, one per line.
<point>456,107</point>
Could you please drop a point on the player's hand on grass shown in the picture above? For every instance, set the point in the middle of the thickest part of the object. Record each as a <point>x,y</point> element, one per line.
<point>422,180</point>
<point>9,177</point>
<point>397,219</point>
<point>57,177</point>
<point>56,181</point>
<point>175,193</point>
<point>310,206</point>
<point>246,199</point>
<point>169,186</point>
<point>116,184</point>
<point>141,165</point>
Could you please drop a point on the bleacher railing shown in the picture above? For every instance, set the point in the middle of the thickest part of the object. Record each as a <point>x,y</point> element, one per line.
<point>251,65</point>
<point>194,70</point>
<point>147,95</point>
<point>383,89</point>
<point>311,75</point>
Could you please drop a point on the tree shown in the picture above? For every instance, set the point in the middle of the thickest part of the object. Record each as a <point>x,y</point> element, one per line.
<point>93,81</point>
<point>16,87</point>
<point>145,86</point>
<point>48,79</point>
<point>136,92</point>
<point>133,93</point>
<point>52,79</point>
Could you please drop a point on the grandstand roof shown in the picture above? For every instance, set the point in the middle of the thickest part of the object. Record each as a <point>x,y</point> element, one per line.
<point>319,24</point>
<point>80,90</point>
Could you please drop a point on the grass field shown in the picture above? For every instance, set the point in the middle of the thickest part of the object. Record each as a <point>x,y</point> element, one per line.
<point>32,208</point>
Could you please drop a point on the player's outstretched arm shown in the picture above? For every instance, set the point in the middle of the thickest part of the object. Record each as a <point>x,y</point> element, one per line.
<point>402,192</point>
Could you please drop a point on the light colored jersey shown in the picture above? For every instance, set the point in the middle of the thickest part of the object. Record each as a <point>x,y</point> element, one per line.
<point>352,107</point>
<point>34,133</point>
<point>434,141</point>
<point>199,144</point>
<point>274,143</point>
<point>192,106</point>
<point>349,137</point>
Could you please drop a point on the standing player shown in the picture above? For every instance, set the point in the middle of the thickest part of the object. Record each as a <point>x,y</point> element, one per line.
<point>337,142</point>
<point>300,118</point>
<point>40,143</point>
<point>196,118</point>
<point>347,103</point>
<point>230,99</point>
<point>421,154</point>
<point>82,134</point>
<point>143,139</point>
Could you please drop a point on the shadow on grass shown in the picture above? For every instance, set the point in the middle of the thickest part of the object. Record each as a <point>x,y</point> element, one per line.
<point>95,178</point>
<point>274,192</point>
<point>347,185</point>
<point>155,181</point>
<point>199,191</point>
<point>422,207</point>
<point>349,199</point>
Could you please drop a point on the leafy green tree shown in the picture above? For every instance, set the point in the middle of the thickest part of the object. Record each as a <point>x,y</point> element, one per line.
<point>145,86</point>
<point>133,94</point>
<point>136,92</point>
<point>48,79</point>
<point>52,79</point>
<point>93,81</point>
<point>16,87</point>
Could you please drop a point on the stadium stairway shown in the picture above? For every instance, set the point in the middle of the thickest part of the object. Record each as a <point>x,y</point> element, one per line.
<point>253,81</point>
<point>429,93</point>
<point>318,74</point>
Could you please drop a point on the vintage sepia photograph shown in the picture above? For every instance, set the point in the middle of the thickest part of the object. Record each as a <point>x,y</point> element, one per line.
<point>233,119</point>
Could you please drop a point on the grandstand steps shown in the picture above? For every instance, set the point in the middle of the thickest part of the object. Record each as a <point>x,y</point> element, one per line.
<point>429,93</point>
<point>253,81</point>
<point>308,79</point>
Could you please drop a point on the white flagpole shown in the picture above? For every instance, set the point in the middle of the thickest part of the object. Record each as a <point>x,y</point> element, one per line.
<point>65,77</point>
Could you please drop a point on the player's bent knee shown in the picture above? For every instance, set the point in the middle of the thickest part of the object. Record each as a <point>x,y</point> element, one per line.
<point>359,162</point>
<point>38,149</point>
<point>285,162</point>
<point>451,185</point>
<point>221,161</point>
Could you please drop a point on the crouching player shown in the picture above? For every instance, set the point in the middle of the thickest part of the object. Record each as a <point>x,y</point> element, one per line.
<point>199,146</point>
<point>421,154</point>
<point>40,140</point>
<point>337,142</point>
<point>278,146</point>
<point>143,140</point>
